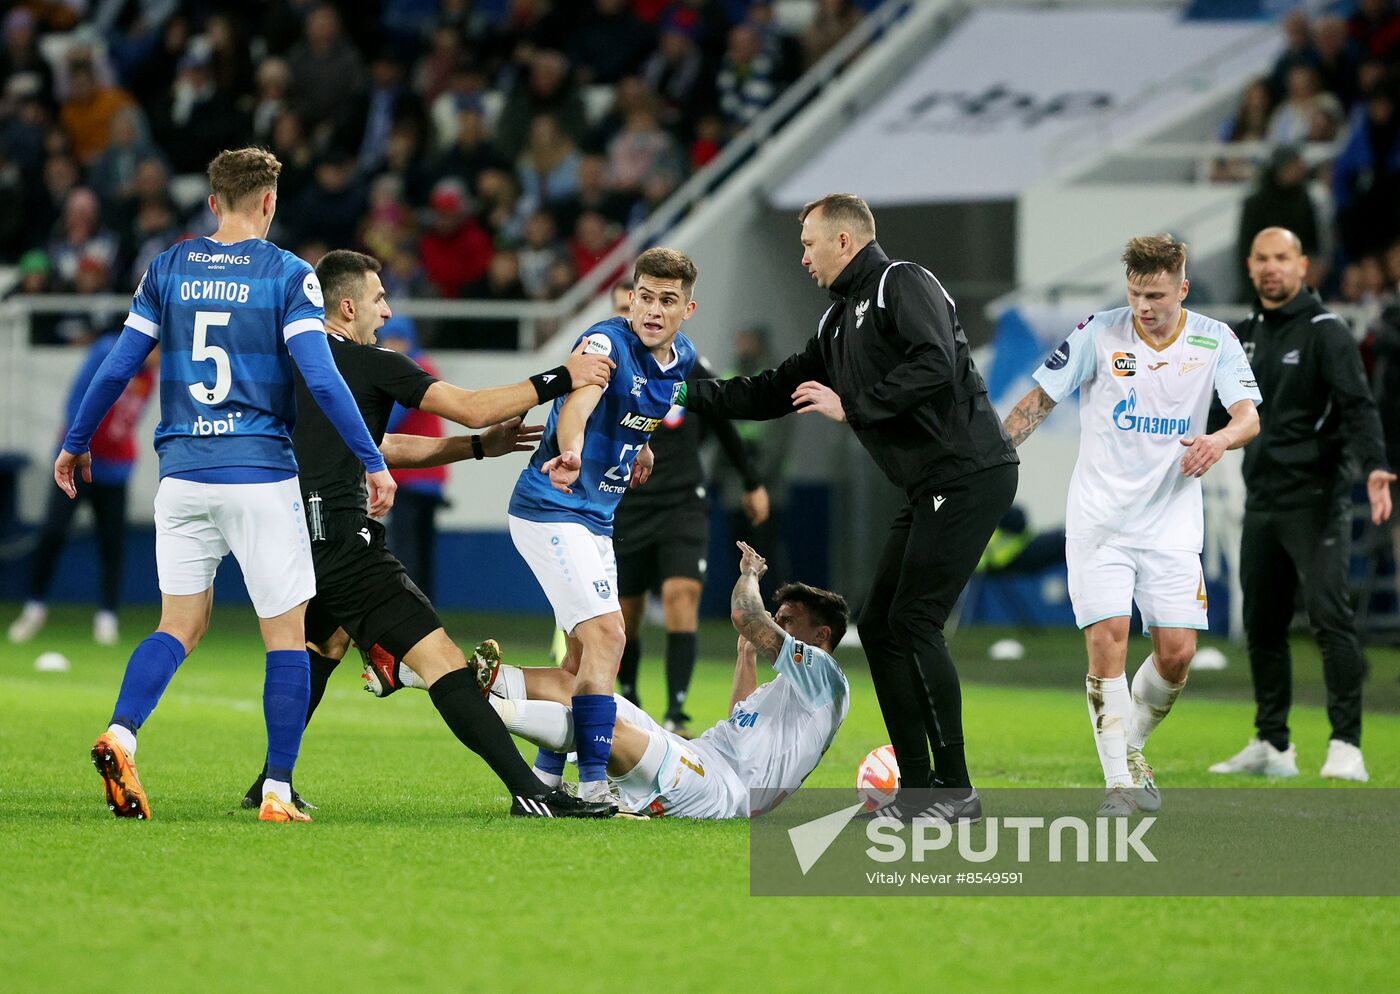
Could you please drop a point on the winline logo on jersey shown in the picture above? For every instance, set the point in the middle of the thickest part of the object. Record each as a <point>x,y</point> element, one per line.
<point>1034,841</point>
<point>1125,418</point>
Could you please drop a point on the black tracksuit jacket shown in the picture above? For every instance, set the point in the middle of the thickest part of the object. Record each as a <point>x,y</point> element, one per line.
<point>891,347</point>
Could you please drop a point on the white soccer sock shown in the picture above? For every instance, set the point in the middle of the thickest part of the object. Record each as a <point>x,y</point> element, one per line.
<point>545,723</point>
<point>410,679</point>
<point>125,737</point>
<point>279,789</point>
<point>1153,697</point>
<point>550,780</point>
<point>1110,709</point>
<point>509,683</point>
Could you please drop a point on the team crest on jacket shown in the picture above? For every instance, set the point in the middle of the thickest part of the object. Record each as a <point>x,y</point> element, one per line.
<point>603,588</point>
<point>861,308</point>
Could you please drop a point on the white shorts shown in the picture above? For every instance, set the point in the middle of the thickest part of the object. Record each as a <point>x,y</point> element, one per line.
<point>576,569</point>
<point>262,524</point>
<point>1168,586</point>
<point>694,780</point>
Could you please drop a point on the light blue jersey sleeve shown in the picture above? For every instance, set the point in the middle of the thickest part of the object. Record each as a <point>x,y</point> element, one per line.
<point>1234,378</point>
<point>813,671</point>
<point>1071,364</point>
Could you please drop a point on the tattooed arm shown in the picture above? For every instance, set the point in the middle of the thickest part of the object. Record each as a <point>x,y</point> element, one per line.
<point>1027,415</point>
<point>754,623</point>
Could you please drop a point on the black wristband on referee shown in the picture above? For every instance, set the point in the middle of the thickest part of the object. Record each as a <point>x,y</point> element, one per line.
<point>477,451</point>
<point>552,383</point>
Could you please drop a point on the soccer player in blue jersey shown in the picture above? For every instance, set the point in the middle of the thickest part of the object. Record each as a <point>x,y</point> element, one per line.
<point>231,313</point>
<point>561,513</point>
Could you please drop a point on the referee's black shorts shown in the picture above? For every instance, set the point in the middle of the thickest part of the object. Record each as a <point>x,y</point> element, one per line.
<point>653,548</point>
<point>362,588</point>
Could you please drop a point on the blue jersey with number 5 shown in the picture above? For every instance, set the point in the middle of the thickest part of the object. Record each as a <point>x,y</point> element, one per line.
<point>223,315</point>
<point>637,397</point>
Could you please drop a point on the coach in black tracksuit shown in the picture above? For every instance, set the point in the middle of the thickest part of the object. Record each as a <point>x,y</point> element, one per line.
<point>890,358</point>
<point>1319,427</point>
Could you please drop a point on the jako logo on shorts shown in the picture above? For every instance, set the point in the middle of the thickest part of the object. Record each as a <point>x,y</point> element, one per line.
<point>1124,419</point>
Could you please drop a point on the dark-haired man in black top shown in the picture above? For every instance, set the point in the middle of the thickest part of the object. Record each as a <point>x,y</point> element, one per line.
<point>362,591</point>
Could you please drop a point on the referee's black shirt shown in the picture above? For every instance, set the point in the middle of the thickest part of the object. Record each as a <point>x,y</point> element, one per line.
<point>377,378</point>
<point>891,347</point>
<point>1318,421</point>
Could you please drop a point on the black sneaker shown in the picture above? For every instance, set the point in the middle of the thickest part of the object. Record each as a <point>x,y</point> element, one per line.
<point>557,804</point>
<point>253,799</point>
<point>945,804</point>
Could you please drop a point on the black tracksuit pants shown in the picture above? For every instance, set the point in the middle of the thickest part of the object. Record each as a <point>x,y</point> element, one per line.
<point>1280,551</point>
<point>932,549</point>
<point>109,511</point>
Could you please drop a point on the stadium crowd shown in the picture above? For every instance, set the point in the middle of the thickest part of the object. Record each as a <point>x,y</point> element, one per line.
<point>482,149</point>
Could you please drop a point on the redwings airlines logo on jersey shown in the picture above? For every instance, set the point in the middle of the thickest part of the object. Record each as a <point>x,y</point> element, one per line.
<point>225,258</point>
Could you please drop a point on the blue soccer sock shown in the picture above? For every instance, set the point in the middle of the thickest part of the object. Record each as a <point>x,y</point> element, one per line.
<point>549,767</point>
<point>594,718</point>
<point>286,692</point>
<point>148,673</point>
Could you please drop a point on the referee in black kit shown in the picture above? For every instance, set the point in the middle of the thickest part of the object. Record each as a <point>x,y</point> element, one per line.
<point>1318,427</point>
<point>890,359</point>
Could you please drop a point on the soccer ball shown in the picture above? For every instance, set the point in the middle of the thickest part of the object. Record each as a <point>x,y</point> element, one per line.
<point>877,780</point>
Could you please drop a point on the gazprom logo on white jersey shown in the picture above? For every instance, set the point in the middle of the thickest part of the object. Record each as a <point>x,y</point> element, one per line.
<point>219,426</point>
<point>1126,418</point>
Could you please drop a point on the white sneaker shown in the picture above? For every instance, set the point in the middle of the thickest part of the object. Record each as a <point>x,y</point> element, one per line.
<point>1262,760</point>
<point>30,620</point>
<point>104,628</point>
<point>1344,762</point>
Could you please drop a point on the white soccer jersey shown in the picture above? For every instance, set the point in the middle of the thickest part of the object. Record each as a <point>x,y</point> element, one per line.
<point>776,736</point>
<point>1136,404</point>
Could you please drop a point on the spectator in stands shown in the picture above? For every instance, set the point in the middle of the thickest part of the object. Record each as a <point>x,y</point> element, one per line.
<point>747,80</point>
<point>501,283</point>
<point>1280,200</point>
<point>471,151</point>
<point>1365,177</point>
<point>455,250</point>
<point>274,82</point>
<point>293,149</point>
<point>466,91</point>
<point>1336,60</point>
<point>445,56</point>
<point>548,168</point>
<point>610,44</point>
<point>20,56</point>
<point>539,254</point>
<point>80,236</point>
<point>332,206</point>
<point>386,103</point>
<point>833,20</point>
<point>149,79</point>
<point>150,185</point>
<point>1293,118</point>
<point>12,190</point>
<point>154,230</point>
<point>595,194</point>
<point>88,108</point>
<point>656,188</point>
<point>61,177</point>
<point>406,158</point>
<point>504,210</point>
<point>329,74</point>
<point>709,139</point>
<point>1373,27</point>
<point>641,148</point>
<point>114,172</point>
<point>593,239</point>
<point>389,225</point>
<point>784,50</point>
<point>562,276</point>
<point>197,120</point>
<point>34,271</point>
<point>676,73</point>
<point>23,120</point>
<point>403,275</point>
<point>1298,50</point>
<point>545,90</point>
<point>230,63</point>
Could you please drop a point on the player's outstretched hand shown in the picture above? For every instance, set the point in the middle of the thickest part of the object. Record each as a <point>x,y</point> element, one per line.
<point>642,466</point>
<point>1378,490</point>
<point>588,370</point>
<point>381,492</point>
<point>510,436</point>
<point>1202,452</point>
<point>755,505</point>
<point>63,468</point>
<point>813,396</point>
<point>746,651</point>
<point>563,470</point>
<point>751,563</point>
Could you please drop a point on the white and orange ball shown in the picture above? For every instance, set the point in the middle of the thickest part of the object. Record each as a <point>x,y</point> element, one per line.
<point>877,780</point>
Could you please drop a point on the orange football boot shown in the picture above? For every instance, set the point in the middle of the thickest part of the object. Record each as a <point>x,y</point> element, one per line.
<point>125,796</point>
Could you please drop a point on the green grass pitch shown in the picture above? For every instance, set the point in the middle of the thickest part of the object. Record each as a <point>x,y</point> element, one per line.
<point>412,877</point>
